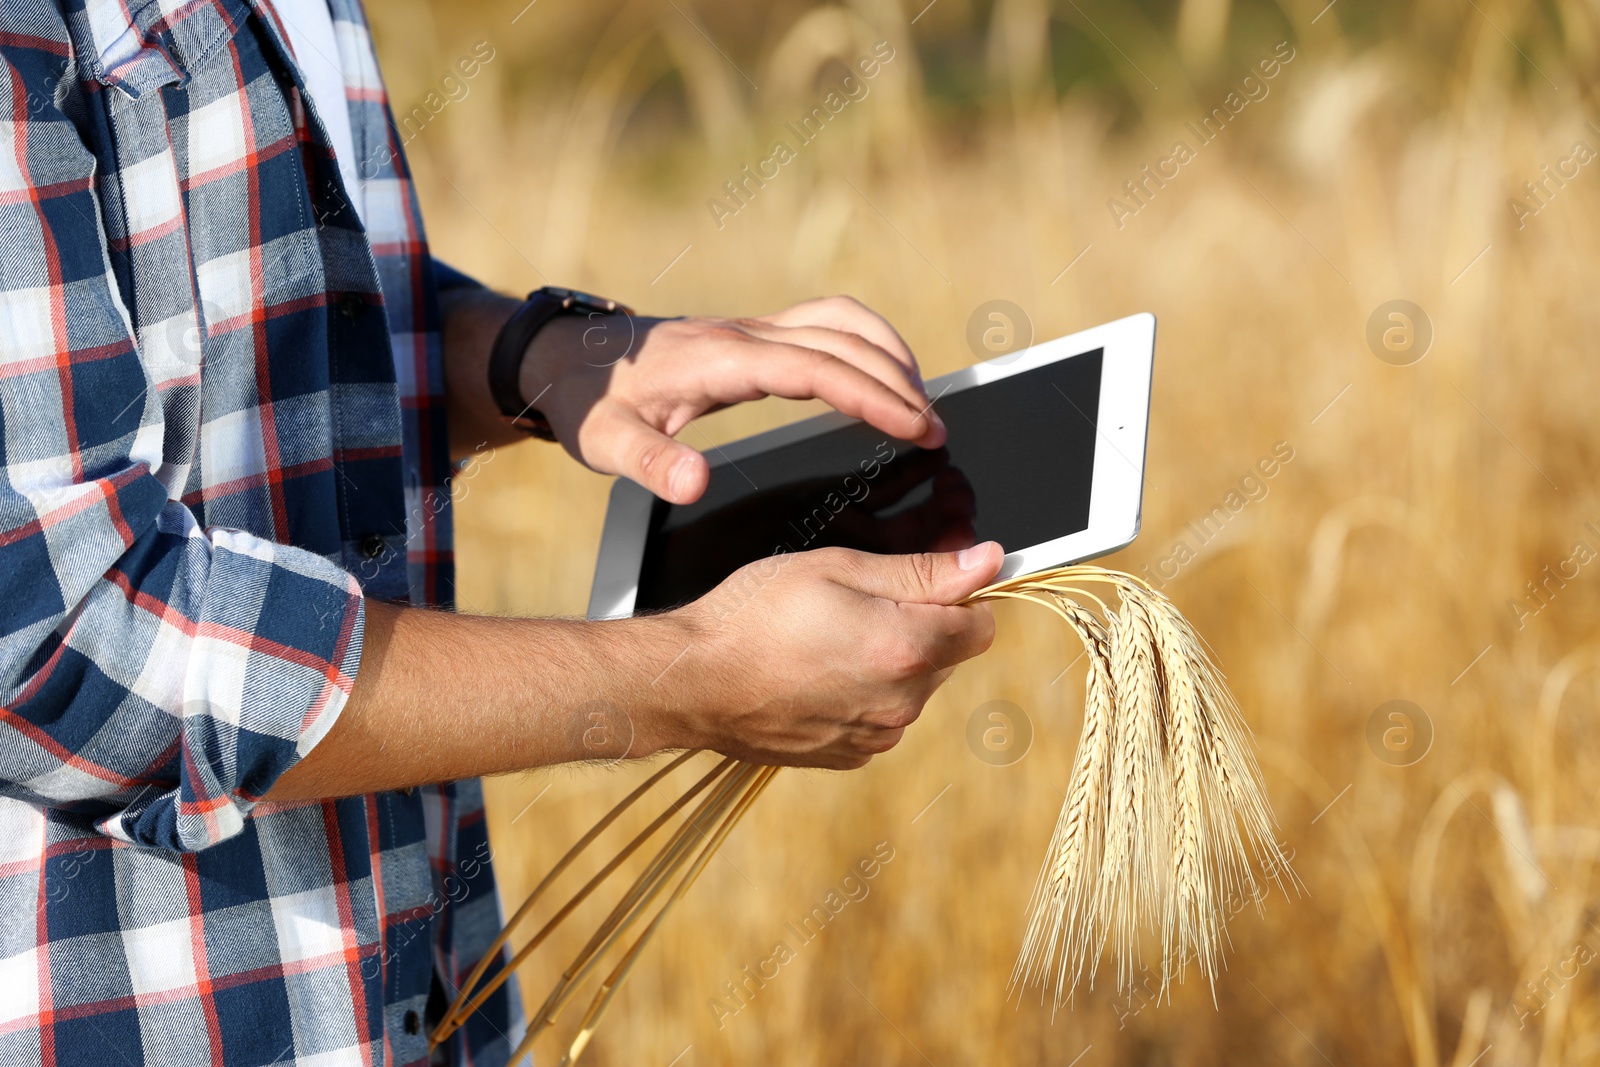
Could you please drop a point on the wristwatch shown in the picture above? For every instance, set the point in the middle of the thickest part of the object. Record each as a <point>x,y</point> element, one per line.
<point>511,346</point>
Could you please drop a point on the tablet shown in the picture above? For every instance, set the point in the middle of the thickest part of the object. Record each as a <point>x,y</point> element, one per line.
<point>1045,454</point>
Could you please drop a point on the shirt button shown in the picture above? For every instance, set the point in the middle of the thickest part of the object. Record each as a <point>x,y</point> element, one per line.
<point>413,1023</point>
<point>373,545</point>
<point>351,305</point>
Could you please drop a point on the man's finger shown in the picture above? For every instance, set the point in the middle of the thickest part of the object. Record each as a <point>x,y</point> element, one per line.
<point>946,636</point>
<point>853,349</point>
<point>805,373</point>
<point>852,316</point>
<point>619,442</point>
<point>922,577</point>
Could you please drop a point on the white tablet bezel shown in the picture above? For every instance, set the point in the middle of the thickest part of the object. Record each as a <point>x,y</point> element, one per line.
<point>1116,493</point>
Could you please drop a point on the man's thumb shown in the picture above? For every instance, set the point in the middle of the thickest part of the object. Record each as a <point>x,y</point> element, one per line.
<point>933,577</point>
<point>672,471</point>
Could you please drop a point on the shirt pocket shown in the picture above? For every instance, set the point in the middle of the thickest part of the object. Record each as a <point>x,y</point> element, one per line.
<point>139,48</point>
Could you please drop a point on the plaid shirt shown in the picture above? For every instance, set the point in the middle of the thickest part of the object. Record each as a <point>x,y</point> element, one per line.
<point>221,426</point>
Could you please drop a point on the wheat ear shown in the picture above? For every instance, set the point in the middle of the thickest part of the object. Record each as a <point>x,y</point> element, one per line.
<point>1138,813</point>
<point>1168,845</point>
<point>1191,923</point>
<point>1062,912</point>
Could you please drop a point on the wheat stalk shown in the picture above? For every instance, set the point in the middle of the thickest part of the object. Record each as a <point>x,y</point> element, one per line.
<point>1164,812</point>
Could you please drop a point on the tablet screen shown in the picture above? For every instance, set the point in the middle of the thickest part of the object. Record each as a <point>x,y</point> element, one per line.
<point>1016,469</point>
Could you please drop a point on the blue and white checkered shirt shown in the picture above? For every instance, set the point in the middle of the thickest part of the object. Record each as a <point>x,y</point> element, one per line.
<point>221,427</point>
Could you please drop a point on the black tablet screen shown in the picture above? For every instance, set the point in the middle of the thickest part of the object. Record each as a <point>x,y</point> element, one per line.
<point>1016,469</point>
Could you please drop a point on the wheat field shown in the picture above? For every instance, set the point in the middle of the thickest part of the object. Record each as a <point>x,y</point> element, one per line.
<point>1345,530</point>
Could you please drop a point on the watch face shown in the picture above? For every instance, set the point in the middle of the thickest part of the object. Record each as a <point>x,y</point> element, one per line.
<point>584,301</point>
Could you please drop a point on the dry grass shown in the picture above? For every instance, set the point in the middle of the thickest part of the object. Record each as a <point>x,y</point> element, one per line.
<point>1445,899</point>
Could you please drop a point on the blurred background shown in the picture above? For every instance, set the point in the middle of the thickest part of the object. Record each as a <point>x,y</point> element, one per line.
<point>1432,538</point>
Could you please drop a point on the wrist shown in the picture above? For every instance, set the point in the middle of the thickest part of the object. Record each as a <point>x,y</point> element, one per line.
<point>549,363</point>
<point>678,684</point>
<point>569,343</point>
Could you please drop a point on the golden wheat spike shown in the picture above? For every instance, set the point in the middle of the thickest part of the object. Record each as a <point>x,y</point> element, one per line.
<point>1182,809</point>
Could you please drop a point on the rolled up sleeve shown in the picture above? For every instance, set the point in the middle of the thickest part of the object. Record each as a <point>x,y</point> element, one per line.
<point>447,279</point>
<point>155,677</point>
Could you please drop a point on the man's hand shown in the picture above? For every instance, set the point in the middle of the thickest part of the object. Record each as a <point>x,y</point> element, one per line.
<point>816,659</point>
<point>823,658</point>
<point>616,389</point>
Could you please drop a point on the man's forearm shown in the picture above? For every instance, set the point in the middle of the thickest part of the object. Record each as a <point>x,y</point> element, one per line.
<point>441,696</point>
<point>819,659</point>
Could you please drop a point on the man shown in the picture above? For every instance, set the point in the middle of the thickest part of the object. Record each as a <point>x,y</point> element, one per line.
<point>230,390</point>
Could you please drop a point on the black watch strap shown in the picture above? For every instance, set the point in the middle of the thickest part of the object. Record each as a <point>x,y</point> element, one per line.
<point>511,346</point>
